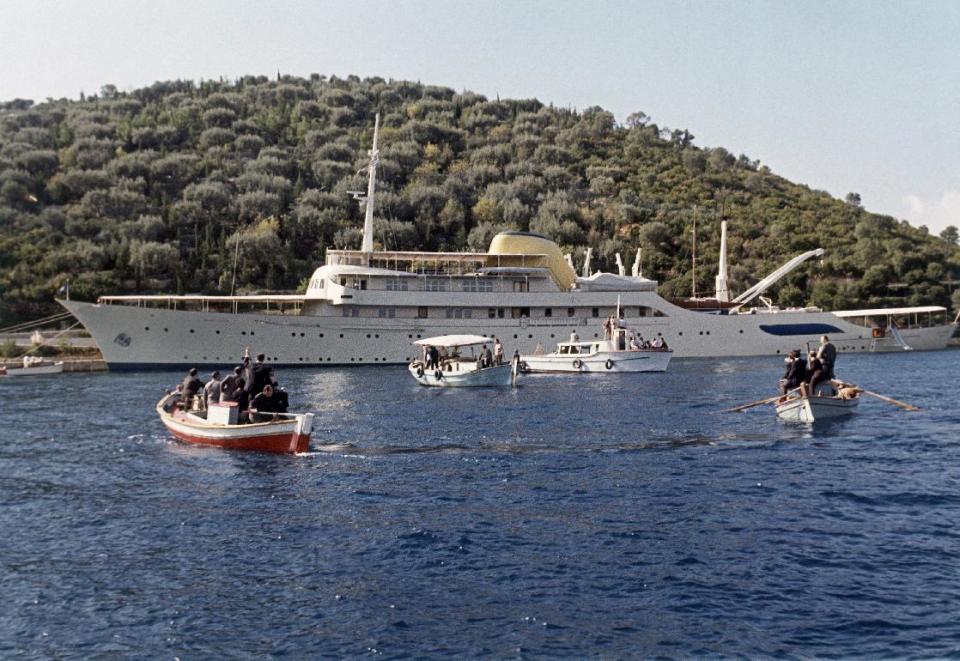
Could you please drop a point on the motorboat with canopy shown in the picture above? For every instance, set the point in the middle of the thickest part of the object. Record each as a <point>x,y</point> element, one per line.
<point>452,361</point>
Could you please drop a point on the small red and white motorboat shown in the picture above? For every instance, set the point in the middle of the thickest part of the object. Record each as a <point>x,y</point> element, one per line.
<point>218,426</point>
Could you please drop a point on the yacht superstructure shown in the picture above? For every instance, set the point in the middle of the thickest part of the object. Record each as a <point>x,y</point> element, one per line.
<point>367,307</point>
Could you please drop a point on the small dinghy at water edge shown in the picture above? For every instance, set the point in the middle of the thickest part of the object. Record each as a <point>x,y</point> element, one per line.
<point>607,355</point>
<point>826,403</point>
<point>217,426</point>
<point>443,366</point>
<point>32,366</point>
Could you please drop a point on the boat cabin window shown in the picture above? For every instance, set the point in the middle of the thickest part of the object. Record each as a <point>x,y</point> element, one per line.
<point>517,313</point>
<point>595,312</point>
<point>571,312</point>
<point>521,286</point>
<point>495,313</point>
<point>396,284</point>
<point>548,312</point>
<point>423,312</point>
<point>564,350</point>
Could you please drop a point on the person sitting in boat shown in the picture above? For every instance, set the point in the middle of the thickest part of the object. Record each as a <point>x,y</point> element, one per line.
<point>191,386</point>
<point>634,344</point>
<point>211,391</point>
<point>816,374</point>
<point>280,395</point>
<point>796,372</point>
<point>497,351</point>
<point>263,405</point>
<point>827,353</point>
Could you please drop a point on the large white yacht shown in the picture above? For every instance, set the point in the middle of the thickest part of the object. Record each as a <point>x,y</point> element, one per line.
<point>369,306</point>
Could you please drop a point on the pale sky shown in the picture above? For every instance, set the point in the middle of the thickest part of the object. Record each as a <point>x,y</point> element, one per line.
<point>841,96</point>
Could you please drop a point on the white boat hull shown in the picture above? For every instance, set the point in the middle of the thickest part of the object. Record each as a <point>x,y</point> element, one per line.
<point>811,409</point>
<point>496,376</point>
<point>289,433</point>
<point>603,361</point>
<point>34,370</point>
<point>132,337</point>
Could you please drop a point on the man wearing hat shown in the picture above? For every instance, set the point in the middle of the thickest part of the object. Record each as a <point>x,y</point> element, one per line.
<point>796,372</point>
<point>211,391</point>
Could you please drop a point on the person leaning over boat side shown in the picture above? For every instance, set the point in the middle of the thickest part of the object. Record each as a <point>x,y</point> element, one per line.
<point>211,391</point>
<point>795,374</point>
<point>827,353</point>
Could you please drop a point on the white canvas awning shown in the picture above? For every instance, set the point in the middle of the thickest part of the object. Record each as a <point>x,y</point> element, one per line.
<point>453,341</point>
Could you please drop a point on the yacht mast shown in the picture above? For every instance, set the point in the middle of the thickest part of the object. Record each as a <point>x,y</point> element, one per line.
<point>367,245</point>
<point>722,289</point>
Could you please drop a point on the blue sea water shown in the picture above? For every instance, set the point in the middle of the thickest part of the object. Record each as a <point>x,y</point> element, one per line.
<point>575,516</point>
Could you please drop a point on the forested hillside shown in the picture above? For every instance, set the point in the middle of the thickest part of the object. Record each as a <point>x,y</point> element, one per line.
<point>150,191</point>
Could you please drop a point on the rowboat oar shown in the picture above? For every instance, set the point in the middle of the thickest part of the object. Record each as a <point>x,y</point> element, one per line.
<point>744,407</point>
<point>889,400</point>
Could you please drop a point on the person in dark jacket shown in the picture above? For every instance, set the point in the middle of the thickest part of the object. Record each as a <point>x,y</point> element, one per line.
<point>796,372</point>
<point>242,398</point>
<point>191,386</point>
<point>261,375</point>
<point>816,374</point>
<point>263,404</point>
<point>827,353</point>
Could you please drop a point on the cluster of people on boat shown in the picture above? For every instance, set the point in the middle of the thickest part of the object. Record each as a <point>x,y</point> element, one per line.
<point>252,386</point>
<point>434,357</point>
<point>808,374</point>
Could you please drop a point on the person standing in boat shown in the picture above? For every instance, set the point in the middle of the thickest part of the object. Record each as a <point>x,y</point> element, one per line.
<point>796,372</point>
<point>229,384</point>
<point>497,351</point>
<point>211,391</point>
<point>242,398</point>
<point>827,353</point>
<point>259,376</point>
<point>487,357</point>
<point>191,386</point>
<point>573,336</point>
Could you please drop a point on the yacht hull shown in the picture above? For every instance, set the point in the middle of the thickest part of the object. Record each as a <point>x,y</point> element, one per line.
<point>133,337</point>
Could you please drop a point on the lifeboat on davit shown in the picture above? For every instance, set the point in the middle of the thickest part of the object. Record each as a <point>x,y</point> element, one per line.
<point>218,426</point>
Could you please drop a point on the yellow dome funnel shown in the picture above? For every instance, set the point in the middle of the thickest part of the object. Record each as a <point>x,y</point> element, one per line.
<point>526,249</point>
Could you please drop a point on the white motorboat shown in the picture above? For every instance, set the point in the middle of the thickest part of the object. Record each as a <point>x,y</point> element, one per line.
<point>32,366</point>
<point>825,404</point>
<point>443,364</point>
<point>612,354</point>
